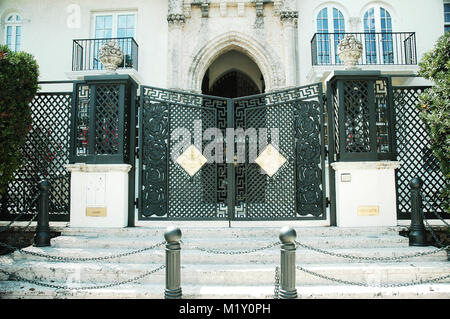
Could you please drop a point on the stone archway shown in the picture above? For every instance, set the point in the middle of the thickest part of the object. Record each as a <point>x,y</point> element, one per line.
<point>265,58</point>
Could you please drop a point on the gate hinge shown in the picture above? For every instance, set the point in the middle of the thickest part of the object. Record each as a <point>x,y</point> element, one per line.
<point>136,202</point>
<point>136,151</point>
<point>327,202</point>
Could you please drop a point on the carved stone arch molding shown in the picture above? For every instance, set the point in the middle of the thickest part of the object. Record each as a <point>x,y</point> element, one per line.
<point>265,58</point>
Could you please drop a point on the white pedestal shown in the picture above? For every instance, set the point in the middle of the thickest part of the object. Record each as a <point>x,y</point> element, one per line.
<point>99,195</point>
<point>365,193</point>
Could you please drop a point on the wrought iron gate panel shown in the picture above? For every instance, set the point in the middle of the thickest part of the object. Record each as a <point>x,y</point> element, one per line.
<point>46,153</point>
<point>166,190</point>
<point>296,190</point>
<point>414,154</point>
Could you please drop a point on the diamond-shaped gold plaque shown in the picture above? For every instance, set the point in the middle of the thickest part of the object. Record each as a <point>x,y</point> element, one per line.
<point>191,160</point>
<point>270,160</point>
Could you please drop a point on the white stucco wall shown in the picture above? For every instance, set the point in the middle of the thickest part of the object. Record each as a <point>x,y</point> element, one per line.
<point>47,35</point>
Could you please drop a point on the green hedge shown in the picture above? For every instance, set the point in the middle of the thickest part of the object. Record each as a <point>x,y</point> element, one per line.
<point>435,106</point>
<point>19,74</point>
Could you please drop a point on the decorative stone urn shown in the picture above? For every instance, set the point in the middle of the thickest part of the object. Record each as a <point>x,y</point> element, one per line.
<point>111,56</point>
<point>349,51</point>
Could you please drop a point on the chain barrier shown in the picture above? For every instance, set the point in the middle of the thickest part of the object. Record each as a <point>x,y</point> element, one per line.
<point>232,252</point>
<point>433,210</point>
<point>35,282</point>
<point>77,259</point>
<point>276,292</point>
<point>365,284</point>
<point>429,228</point>
<point>365,258</point>
<point>6,227</point>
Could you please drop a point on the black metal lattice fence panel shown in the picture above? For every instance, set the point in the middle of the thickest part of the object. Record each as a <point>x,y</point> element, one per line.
<point>414,154</point>
<point>45,155</point>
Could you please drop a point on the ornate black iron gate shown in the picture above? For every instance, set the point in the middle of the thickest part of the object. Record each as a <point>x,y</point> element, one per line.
<point>211,158</point>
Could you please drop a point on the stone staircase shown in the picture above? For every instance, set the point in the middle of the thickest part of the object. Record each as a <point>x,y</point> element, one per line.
<point>210,275</point>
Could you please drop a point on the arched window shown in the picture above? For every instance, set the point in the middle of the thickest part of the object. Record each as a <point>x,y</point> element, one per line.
<point>330,29</point>
<point>378,37</point>
<point>13,36</point>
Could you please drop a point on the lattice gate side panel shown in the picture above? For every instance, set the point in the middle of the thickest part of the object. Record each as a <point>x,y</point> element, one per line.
<point>414,154</point>
<point>167,191</point>
<point>296,190</point>
<point>45,155</point>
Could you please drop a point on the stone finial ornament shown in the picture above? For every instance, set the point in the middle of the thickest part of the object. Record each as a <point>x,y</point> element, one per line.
<point>111,56</point>
<point>349,51</point>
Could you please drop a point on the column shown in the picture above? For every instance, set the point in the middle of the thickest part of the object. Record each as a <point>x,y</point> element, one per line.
<point>176,19</point>
<point>289,21</point>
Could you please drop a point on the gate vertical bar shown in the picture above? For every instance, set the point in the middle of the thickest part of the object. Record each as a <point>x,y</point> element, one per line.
<point>331,155</point>
<point>132,156</point>
<point>229,146</point>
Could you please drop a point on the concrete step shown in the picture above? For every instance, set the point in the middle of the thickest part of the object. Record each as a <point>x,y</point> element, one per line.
<point>231,244</point>
<point>14,290</point>
<point>209,230</point>
<point>226,274</point>
<point>267,256</point>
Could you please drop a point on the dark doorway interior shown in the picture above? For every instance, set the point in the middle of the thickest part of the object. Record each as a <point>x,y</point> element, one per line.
<point>232,84</point>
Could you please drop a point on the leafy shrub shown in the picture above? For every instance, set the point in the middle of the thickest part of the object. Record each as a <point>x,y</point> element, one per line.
<point>19,73</point>
<point>435,106</point>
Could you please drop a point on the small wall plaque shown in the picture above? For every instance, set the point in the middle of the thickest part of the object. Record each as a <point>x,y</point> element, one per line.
<point>368,211</point>
<point>96,211</point>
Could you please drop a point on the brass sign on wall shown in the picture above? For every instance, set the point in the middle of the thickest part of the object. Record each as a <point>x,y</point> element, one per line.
<point>96,211</point>
<point>368,210</point>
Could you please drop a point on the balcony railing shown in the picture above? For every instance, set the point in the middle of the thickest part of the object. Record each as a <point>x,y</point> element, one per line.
<point>85,53</point>
<point>379,48</point>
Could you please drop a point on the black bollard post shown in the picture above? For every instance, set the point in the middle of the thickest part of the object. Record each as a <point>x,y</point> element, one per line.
<point>173,264</point>
<point>287,275</point>
<point>42,236</point>
<point>417,233</point>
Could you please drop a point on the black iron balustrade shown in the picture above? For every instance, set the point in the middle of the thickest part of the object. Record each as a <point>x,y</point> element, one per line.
<point>85,53</point>
<point>379,48</point>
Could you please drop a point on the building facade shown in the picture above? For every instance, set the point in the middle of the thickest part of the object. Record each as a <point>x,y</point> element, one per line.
<point>277,44</point>
<point>233,49</point>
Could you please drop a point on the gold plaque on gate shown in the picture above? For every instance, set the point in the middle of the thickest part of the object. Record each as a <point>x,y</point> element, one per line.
<point>368,211</point>
<point>96,211</point>
<point>191,160</point>
<point>270,160</point>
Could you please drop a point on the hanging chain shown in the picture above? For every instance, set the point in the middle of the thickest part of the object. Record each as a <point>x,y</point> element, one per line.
<point>232,252</point>
<point>433,210</point>
<point>365,258</point>
<point>6,227</point>
<point>365,284</point>
<point>35,282</point>
<point>433,234</point>
<point>69,259</point>
<point>276,291</point>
